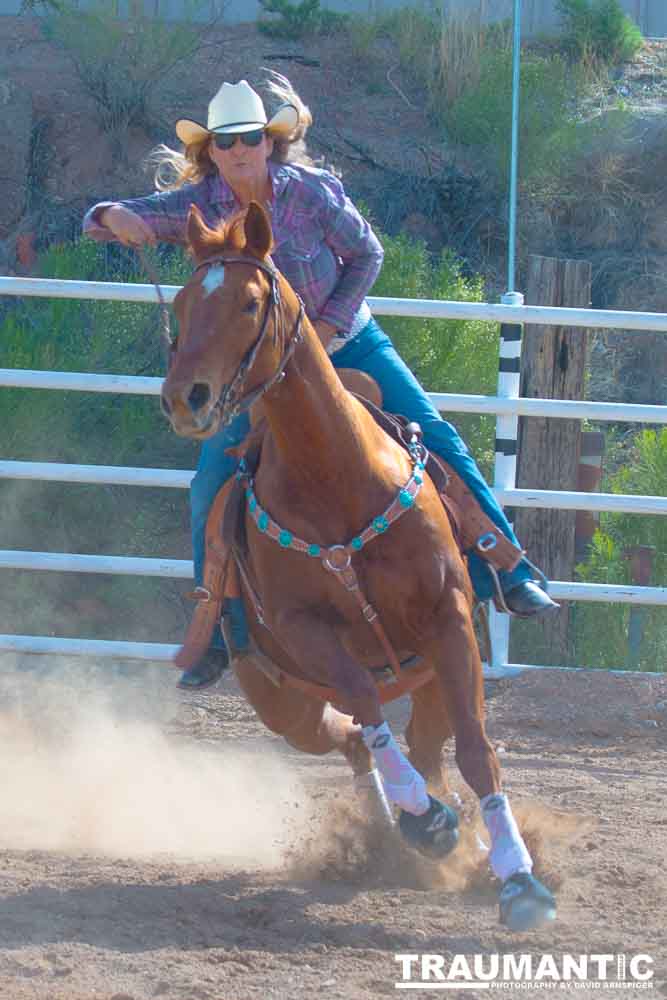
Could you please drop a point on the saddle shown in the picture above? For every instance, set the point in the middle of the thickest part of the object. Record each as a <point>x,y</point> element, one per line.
<point>219,599</point>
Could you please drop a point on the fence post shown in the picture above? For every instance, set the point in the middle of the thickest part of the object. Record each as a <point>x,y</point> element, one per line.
<point>509,364</point>
<point>552,367</point>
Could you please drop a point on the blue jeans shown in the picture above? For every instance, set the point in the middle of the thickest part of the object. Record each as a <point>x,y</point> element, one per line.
<point>371,352</point>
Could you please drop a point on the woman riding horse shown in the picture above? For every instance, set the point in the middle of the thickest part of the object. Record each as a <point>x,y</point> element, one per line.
<point>344,551</point>
<point>331,257</point>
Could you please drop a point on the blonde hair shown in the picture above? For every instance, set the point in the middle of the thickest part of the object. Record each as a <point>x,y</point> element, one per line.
<point>172,169</point>
<point>290,148</point>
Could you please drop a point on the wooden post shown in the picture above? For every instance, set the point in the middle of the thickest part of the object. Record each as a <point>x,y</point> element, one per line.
<point>553,363</point>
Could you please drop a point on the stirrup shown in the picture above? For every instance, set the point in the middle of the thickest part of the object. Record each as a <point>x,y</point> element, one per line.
<point>499,598</point>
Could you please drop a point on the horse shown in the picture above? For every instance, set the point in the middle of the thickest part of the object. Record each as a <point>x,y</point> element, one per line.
<point>349,556</point>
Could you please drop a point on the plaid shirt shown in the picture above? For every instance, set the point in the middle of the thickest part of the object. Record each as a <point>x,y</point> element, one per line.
<point>326,250</point>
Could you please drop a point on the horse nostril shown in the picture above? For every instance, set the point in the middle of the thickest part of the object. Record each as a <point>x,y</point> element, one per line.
<point>199,396</point>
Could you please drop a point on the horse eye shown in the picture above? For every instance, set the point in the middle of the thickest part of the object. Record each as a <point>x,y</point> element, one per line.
<point>251,307</point>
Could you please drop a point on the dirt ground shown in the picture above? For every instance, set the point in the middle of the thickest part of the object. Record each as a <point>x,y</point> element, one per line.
<point>159,846</point>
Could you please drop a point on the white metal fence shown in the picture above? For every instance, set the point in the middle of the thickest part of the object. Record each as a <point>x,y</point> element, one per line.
<point>504,406</point>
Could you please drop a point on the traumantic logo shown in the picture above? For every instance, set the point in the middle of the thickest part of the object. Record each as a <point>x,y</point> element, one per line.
<point>525,972</point>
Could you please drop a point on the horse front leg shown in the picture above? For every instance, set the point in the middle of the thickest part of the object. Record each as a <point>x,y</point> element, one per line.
<point>424,821</point>
<point>524,901</point>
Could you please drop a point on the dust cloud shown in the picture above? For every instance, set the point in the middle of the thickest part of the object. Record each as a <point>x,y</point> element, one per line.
<point>89,765</point>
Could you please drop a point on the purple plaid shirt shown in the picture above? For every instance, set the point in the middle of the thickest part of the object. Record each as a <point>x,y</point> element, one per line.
<point>326,250</point>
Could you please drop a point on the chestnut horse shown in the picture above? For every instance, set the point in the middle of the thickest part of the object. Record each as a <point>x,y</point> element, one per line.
<point>340,517</point>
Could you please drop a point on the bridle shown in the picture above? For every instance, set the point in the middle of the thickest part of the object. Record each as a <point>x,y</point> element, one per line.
<point>233,400</point>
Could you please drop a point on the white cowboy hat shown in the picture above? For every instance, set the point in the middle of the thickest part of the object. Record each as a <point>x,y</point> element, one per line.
<point>237,108</point>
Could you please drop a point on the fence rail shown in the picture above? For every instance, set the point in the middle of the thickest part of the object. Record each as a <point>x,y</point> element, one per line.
<point>501,406</point>
<point>181,569</point>
<point>109,475</point>
<point>612,319</point>
<point>142,385</point>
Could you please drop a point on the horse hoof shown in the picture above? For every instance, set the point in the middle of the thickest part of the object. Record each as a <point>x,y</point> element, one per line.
<point>525,903</point>
<point>435,833</point>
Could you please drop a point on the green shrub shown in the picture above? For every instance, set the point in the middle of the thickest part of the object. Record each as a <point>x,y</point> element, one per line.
<point>601,28</point>
<point>298,20</point>
<point>39,6</point>
<point>601,631</point>
<point>646,474</point>
<point>462,69</point>
<point>72,335</point>
<point>482,116</point>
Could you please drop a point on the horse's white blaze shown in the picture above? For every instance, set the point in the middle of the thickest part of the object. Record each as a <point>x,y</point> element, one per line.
<point>215,278</point>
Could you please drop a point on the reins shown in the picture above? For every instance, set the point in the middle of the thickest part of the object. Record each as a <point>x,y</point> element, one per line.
<point>165,327</point>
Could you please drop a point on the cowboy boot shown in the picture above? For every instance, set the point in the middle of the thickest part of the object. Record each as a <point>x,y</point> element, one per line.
<point>527,599</point>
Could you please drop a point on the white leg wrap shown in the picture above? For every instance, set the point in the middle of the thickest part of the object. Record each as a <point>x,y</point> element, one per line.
<point>402,783</point>
<point>508,854</point>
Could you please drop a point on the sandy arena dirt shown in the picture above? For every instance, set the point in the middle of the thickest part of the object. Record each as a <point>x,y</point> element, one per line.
<point>153,845</point>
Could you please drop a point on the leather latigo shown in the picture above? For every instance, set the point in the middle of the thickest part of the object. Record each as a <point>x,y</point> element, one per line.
<point>473,523</point>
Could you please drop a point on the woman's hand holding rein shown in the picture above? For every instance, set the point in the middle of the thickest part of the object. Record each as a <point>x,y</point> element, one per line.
<point>127,226</point>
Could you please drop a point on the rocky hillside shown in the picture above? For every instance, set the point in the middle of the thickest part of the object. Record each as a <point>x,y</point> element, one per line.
<point>58,157</point>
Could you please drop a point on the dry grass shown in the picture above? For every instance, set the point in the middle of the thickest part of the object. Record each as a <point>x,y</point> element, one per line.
<point>457,53</point>
<point>440,53</point>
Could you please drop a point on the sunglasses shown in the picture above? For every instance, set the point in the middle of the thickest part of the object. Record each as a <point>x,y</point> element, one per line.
<point>225,140</point>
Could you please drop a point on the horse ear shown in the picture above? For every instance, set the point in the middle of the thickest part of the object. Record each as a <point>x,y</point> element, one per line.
<point>258,235</point>
<point>196,232</point>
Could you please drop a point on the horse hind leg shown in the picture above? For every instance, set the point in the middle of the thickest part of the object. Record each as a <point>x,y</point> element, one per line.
<point>524,902</point>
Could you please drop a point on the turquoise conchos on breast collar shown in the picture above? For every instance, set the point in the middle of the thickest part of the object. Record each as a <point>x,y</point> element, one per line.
<point>337,558</point>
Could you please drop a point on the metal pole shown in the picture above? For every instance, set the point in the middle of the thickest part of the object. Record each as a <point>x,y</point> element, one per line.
<point>514,157</point>
<point>509,366</point>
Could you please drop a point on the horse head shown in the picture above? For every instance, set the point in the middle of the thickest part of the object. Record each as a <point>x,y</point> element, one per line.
<point>236,328</point>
